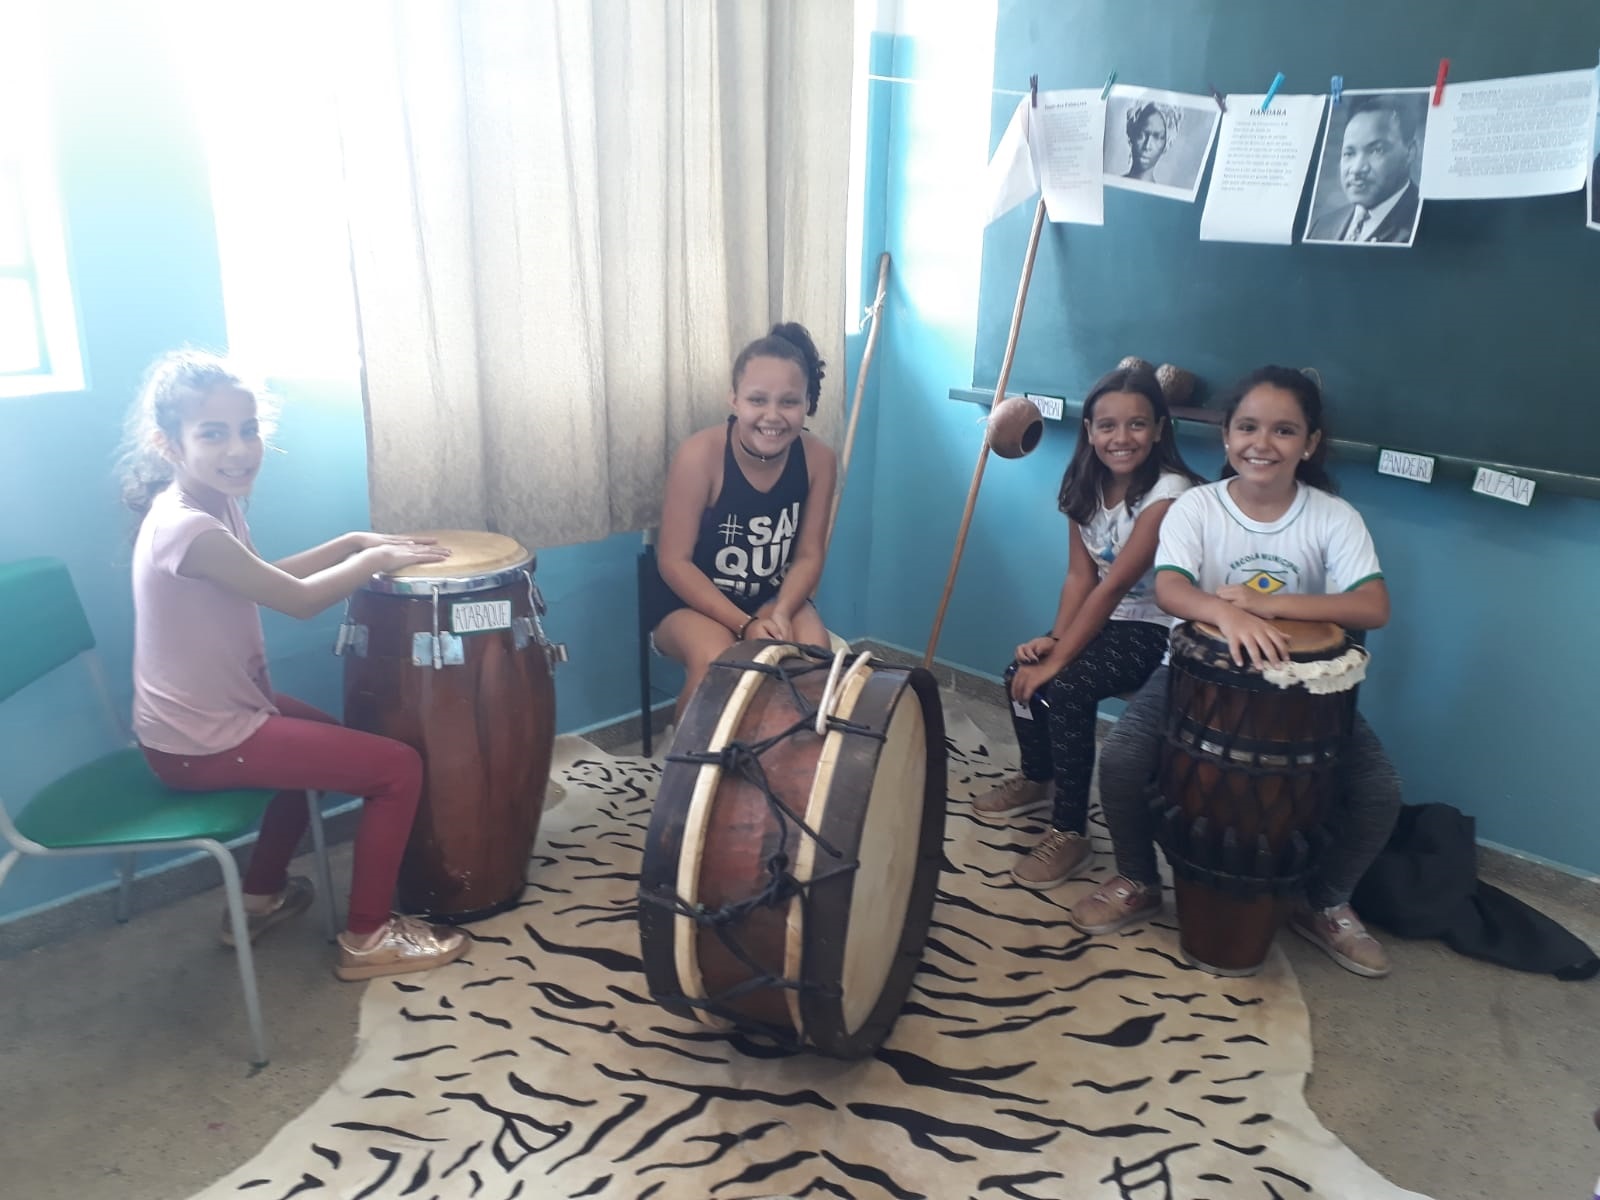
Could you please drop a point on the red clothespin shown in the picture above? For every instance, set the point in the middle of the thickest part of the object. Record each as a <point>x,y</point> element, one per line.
<point>1217,96</point>
<point>1033,89</point>
<point>1438,84</point>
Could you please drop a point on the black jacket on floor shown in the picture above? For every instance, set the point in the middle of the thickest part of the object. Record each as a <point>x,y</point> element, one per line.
<point>1424,884</point>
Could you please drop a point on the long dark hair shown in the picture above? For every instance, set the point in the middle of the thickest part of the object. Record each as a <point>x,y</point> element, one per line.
<point>1085,475</point>
<point>788,340</point>
<point>1313,470</point>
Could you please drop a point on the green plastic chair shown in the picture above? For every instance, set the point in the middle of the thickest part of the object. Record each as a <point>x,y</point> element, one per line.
<point>115,804</point>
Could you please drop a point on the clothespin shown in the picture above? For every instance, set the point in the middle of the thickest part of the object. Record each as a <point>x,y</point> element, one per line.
<point>1336,86</point>
<point>1217,96</point>
<point>1438,84</point>
<point>1277,82</point>
<point>1110,79</point>
<point>1033,89</point>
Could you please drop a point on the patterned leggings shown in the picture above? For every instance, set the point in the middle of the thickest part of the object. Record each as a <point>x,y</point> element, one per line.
<point>1057,738</point>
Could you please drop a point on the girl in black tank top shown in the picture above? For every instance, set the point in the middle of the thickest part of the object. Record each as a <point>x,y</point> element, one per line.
<point>745,562</point>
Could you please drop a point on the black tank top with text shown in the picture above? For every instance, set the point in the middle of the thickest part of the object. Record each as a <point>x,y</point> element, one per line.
<point>746,536</point>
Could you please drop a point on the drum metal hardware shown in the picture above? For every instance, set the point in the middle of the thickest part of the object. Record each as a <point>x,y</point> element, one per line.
<point>351,637</point>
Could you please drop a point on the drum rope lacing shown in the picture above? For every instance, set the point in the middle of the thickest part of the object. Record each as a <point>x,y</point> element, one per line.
<point>742,760</point>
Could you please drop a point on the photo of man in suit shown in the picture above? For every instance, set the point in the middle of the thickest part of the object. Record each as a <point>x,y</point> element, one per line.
<point>1379,152</point>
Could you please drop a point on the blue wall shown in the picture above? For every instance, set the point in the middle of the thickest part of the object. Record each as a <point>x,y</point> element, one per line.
<point>1481,686</point>
<point>1477,686</point>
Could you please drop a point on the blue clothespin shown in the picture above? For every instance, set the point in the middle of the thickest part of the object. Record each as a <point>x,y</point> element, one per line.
<point>1336,86</point>
<point>1110,79</point>
<point>1277,82</point>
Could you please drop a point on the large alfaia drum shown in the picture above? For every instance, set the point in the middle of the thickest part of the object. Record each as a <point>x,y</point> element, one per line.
<point>789,875</point>
<point>1246,780</point>
<point>451,658</point>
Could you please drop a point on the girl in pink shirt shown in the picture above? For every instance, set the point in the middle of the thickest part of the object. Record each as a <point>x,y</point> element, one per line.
<point>203,707</point>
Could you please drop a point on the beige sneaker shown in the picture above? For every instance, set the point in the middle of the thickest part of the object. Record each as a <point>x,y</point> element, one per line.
<point>407,945</point>
<point>293,900</point>
<point>1113,904</point>
<point>1339,934</point>
<point>1057,858</point>
<point>1015,796</point>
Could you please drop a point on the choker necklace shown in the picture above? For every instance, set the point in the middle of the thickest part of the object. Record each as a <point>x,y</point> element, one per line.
<point>762,458</point>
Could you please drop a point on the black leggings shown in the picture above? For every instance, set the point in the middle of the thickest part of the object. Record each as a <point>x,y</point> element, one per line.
<point>1058,742</point>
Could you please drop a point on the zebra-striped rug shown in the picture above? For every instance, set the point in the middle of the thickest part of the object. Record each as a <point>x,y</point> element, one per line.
<point>1031,1062</point>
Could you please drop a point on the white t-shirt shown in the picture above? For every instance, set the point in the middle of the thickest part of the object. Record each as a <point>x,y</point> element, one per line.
<point>1320,545</point>
<point>1108,531</point>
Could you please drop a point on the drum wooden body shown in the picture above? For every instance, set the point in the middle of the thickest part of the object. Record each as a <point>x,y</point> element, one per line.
<point>1246,780</point>
<point>451,659</point>
<point>749,922</point>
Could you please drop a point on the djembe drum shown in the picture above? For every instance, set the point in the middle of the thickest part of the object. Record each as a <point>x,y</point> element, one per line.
<point>789,874</point>
<point>1245,782</point>
<point>451,658</point>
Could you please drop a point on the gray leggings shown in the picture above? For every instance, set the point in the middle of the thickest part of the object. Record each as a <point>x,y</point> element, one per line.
<point>1363,815</point>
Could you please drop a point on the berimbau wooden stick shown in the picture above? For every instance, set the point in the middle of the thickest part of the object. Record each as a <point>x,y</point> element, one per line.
<point>983,453</point>
<point>876,313</point>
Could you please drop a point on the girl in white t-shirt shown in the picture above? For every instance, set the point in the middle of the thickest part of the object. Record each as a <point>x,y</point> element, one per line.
<point>204,709</point>
<point>1108,635</point>
<point>1269,540</point>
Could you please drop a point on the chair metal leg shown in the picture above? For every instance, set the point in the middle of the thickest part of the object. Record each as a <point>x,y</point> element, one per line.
<point>319,843</point>
<point>125,888</point>
<point>645,731</point>
<point>241,946</point>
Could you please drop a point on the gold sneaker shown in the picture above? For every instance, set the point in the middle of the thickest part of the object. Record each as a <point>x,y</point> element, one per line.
<point>293,900</point>
<point>407,945</point>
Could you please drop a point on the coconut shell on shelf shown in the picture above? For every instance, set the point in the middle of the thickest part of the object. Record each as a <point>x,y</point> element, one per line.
<point>1177,385</point>
<point>1134,363</point>
<point>1015,427</point>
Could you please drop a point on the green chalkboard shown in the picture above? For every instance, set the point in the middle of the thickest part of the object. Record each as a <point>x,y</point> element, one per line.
<point>1480,342</point>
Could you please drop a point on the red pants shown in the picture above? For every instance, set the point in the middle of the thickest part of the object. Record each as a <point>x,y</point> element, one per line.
<point>307,748</point>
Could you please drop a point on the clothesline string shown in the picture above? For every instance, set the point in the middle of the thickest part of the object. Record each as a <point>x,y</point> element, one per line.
<point>903,79</point>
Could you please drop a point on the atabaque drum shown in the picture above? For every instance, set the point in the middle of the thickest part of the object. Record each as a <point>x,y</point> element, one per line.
<point>451,658</point>
<point>1246,779</point>
<point>793,854</point>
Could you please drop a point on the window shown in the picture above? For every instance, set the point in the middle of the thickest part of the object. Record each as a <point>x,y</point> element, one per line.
<point>259,91</point>
<point>38,322</point>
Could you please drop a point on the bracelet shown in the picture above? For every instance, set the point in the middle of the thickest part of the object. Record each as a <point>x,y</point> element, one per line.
<point>739,637</point>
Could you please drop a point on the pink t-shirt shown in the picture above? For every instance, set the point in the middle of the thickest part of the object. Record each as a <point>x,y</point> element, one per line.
<point>200,681</point>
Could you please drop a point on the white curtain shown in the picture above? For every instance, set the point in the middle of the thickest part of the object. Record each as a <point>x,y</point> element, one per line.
<point>566,217</point>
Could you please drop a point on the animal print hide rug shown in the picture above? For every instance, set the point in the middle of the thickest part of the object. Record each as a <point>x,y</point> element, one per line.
<point>1030,1063</point>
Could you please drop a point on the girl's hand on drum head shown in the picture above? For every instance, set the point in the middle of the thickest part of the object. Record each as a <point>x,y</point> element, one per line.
<point>1034,651</point>
<point>367,540</point>
<point>394,555</point>
<point>1248,635</point>
<point>1252,602</point>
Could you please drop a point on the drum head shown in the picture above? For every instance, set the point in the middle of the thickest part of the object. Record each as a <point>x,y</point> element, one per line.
<point>1311,638</point>
<point>477,561</point>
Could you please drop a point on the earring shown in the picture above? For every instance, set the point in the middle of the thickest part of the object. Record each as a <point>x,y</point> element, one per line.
<point>1307,454</point>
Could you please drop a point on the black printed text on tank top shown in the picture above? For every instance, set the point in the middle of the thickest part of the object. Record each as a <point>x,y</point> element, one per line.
<point>755,529</point>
